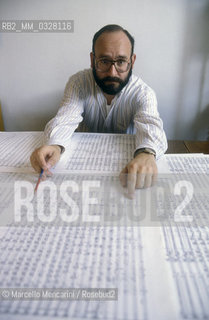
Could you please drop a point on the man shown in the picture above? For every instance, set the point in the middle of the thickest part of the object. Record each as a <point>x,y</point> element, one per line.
<point>108,98</point>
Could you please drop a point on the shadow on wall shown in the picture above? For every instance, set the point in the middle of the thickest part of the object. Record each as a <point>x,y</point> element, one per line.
<point>196,46</point>
<point>201,123</point>
<point>42,109</point>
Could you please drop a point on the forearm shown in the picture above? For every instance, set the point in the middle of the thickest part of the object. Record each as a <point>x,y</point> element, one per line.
<point>150,134</point>
<point>59,130</point>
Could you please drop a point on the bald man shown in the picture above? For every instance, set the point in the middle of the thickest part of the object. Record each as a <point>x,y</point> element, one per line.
<point>109,98</point>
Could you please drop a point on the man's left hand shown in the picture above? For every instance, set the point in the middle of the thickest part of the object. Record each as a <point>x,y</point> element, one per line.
<point>141,172</point>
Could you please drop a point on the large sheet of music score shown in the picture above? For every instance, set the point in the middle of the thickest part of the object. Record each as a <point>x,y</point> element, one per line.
<point>81,232</point>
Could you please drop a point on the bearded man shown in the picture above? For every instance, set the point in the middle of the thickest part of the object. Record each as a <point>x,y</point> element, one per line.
<point>109,98</point>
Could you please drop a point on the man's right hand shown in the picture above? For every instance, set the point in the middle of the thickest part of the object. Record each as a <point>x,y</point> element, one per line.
<point>45,157</point>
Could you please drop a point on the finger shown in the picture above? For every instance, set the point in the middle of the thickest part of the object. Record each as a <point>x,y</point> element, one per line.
<point>41,159</point>
<point>123,177</point>
<point>140,180</point>
<point>46,173</point>
<point>148,180</point>
<point>154,178</point>
<point>37,160</point>
<point>47,157</point>
<point>52,160</point>
<point>131,184</point>
<point>35,165</point>
<point>43,178</point>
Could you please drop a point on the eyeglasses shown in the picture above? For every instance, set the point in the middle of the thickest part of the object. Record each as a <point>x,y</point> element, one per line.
<point>104,64</point>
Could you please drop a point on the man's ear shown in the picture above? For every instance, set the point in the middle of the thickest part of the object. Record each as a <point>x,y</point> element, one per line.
<point>133,58</point>
<point>92,59</point>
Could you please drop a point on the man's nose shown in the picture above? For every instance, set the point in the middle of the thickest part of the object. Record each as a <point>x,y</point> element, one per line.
<point>112,71</point>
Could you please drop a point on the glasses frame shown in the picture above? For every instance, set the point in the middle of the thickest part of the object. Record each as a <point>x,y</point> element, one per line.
<point>112,63</point>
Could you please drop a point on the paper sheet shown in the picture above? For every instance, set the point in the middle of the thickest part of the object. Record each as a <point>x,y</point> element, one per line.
<point>80,254</point>
<point>184,163</point>
<point>17,147</point>
<point>88,152</point>
<point>105,153</point>
<point>99,152</point>
<point>160,269</point>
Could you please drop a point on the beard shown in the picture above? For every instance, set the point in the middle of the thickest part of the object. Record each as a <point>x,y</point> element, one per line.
<point>111,88</point>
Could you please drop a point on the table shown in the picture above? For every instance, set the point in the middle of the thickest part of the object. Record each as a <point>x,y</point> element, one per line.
<point>185,146</point>
<point>160,270</point>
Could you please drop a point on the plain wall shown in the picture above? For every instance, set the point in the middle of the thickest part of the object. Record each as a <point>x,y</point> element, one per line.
<point>172,49</point>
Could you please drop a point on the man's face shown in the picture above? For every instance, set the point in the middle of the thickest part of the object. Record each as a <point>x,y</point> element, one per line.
<point>112,46</point>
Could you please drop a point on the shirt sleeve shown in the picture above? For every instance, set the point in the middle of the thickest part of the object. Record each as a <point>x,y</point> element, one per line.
<point>60,129</point>
<point>148,124</point>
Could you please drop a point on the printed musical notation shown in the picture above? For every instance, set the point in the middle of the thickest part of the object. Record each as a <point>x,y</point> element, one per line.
<point>161,270</point>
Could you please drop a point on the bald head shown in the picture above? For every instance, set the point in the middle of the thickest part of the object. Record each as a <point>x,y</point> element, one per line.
<point>113,44</point>
<point>112,28</point>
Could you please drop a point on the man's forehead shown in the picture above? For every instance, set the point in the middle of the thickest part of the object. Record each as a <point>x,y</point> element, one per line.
<point>113,42</point>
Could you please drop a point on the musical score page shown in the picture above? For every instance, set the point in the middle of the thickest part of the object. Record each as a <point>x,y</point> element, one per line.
<point>159,266</point>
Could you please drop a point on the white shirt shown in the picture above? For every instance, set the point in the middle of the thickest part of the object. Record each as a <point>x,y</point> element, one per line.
<point>133,110</point>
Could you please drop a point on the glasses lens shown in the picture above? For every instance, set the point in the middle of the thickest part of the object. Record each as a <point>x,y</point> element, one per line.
<point>121,65</point>
<point>104,65</point>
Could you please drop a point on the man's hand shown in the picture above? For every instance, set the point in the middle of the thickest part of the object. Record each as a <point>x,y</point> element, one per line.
<point>141,172</point>
<point>45,157</point>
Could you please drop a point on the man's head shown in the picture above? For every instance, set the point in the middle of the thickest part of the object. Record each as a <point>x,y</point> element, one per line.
<point>112,58</point>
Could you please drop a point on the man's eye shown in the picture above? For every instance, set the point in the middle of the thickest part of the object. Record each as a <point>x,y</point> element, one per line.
<point>121,62</point>
<point>105,61</point>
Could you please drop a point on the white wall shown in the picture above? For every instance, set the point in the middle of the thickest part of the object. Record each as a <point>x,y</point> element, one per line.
<point>172,57</point>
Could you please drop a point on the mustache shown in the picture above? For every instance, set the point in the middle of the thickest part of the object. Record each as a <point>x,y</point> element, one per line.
<point>113,79</point>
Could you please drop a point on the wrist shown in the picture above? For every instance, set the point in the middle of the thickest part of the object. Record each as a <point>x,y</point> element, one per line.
<point>61,149</point>
<point>145,151</point>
